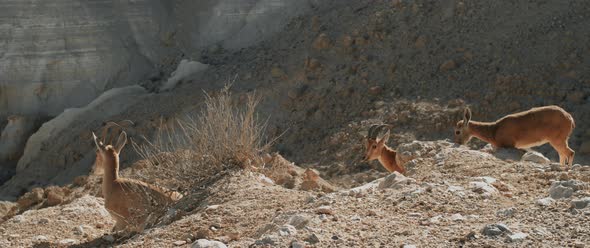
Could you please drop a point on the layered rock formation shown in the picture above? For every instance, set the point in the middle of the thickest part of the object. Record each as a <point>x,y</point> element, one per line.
<point>56,55</point>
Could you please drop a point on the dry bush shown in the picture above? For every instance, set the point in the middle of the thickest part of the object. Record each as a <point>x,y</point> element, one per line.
<point>226,133</point>
<point>193,150</point>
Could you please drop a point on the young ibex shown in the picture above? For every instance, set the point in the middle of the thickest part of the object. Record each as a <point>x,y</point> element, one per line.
<point>523,130</point>
<point>377,149</point>
<point>130,202</point>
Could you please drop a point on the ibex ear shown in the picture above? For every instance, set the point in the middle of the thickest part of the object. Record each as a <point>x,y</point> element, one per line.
<point>121,141</point>
<point>467,116</point>
<point>96,142</point>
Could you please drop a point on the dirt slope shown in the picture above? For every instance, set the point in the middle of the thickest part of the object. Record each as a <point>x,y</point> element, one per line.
<point>449,200</point>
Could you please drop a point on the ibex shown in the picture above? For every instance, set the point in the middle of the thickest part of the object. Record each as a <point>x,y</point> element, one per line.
<point>130,202</point>
<point>377,149</point>
<point>523,130</point>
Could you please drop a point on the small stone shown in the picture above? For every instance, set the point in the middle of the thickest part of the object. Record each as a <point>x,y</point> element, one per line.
<point>203,233</point>
<point>448,65</point>
<point>506,212</point>
<point>287,230</point>
<point>395,180</point>
<point>483,188</point>
<point>517,237</point>
<point>545,202</point>
<point>43,221</point>
<point>579,245</point>
<point>555,167</point>
<point>457,190</point>
<point>179,242</point>
<point>492,231</point>
<point>580,203</point>
<point>415,215</point>
<point>68,241</point>
<point>312,239</point>
<point>78,230</point>
<point>40,238</point>
<point>559,192</point>
<point>535,157</point>
<point>495,230</point>
<point>435,219</point>
<point>563,176</point>
<point>409,246</point>
<point>18,219</point>
<point>265,180</point>
<point>457,217</point>
<point>271,240</point>
<point>503,227</point>
<point>204,243</point>
<point>325,210</point>
<point>297,244</point>
<point>108,238</point>
<point>486,179</point>
<point>299,221</point>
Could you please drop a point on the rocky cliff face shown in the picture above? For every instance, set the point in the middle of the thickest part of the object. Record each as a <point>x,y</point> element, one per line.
<point>56,55</point>
<point>60,54</point>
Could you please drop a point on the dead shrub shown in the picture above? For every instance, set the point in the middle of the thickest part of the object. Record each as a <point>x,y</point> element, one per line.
<point>225,133</point>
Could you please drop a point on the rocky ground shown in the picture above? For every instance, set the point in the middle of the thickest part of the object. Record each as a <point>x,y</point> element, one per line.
<point>452,196</point>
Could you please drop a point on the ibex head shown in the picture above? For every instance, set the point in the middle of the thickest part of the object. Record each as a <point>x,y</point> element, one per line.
<point>462,134</point>
<point>375,145</point>
<point>105,150</point>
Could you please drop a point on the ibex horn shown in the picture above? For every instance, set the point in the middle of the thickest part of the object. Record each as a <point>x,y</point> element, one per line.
<point>375,129</point>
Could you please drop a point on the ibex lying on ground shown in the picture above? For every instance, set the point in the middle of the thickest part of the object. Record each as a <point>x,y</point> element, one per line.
<point>523,130</point>
<point>377,149</point>
<point>130,202</point>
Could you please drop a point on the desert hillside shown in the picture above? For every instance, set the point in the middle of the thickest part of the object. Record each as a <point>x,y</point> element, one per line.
<point>286,169</point>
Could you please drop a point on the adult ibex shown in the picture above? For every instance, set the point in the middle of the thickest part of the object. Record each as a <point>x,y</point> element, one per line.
<point>130,202</point>
<point>523,130</point>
